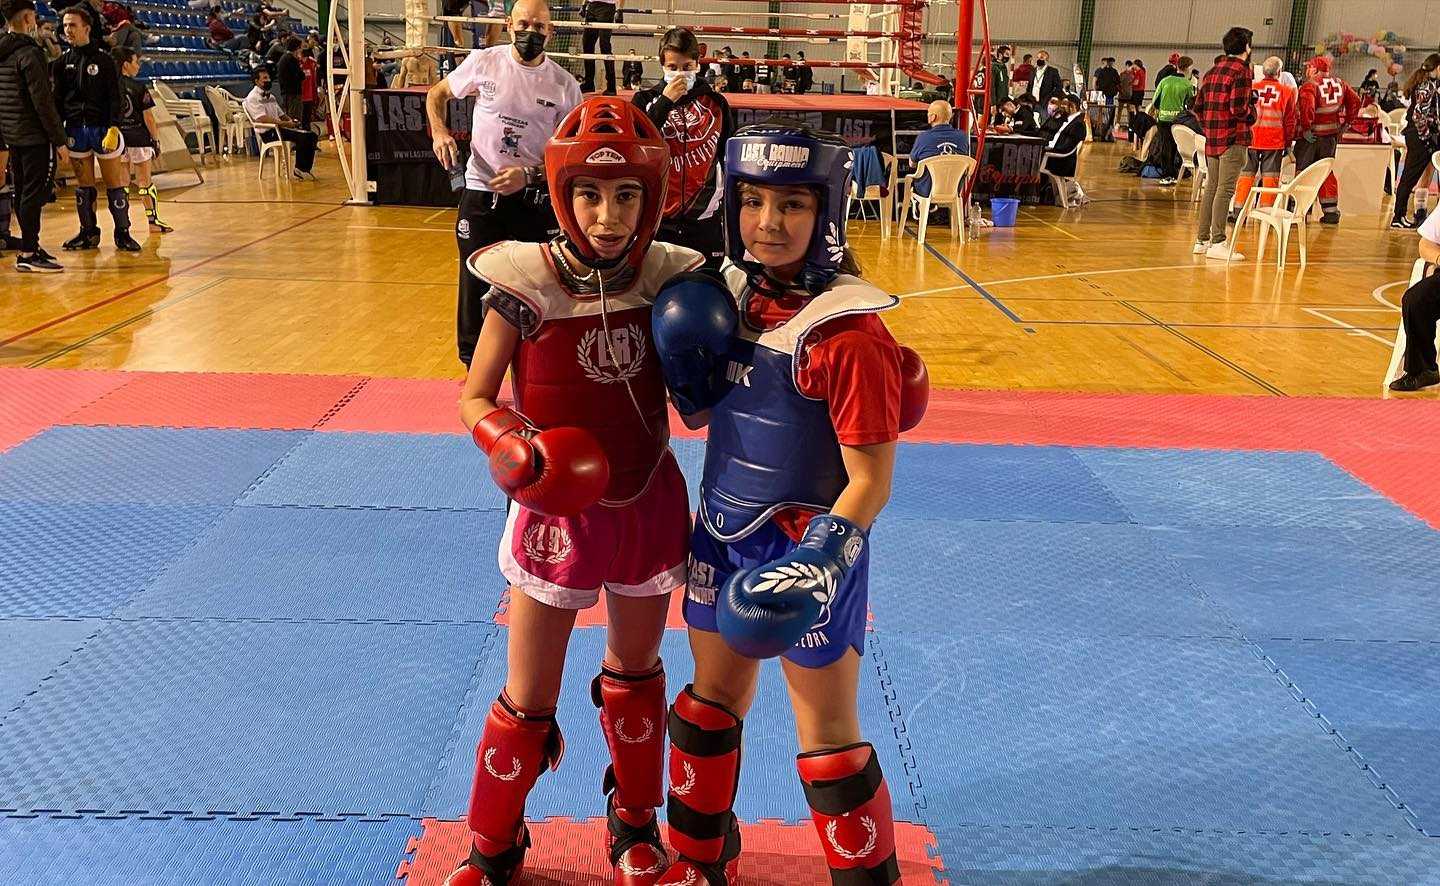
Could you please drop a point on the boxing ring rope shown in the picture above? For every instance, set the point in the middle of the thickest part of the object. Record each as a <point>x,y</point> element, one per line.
<point>900,36</point>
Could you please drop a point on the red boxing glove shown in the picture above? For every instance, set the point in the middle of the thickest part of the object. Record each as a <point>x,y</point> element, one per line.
<point>914,389</point>
<point>558,472</point>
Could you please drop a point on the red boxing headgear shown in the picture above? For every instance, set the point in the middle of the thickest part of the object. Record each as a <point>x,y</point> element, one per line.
<point>607,138</point>
<point>1319,63</point>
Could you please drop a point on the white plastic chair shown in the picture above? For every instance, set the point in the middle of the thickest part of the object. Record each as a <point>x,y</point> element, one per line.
<point>190,114</point>
<point>1191,145</point>
<point>279,148</point>
<point>883,197</point>
<point>1063,183</point>
<point>1293,202</point>
<point>948,173</point>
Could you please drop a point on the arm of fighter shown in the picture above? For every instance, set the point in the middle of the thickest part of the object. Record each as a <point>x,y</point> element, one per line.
<point>556,471</point>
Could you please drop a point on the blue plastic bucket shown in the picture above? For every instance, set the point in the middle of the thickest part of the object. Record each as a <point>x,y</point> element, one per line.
<point>1003,211</point>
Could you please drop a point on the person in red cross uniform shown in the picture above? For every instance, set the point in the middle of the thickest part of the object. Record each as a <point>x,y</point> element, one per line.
<point>1271,134</point>
<point>1326,105</point>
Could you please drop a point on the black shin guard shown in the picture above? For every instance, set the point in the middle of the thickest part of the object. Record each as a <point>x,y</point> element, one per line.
<point>119,199</point>
<point>85,208</point>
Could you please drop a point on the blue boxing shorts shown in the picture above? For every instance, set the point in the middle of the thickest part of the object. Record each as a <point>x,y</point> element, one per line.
<point>82,141</point>
<point>841,624</point>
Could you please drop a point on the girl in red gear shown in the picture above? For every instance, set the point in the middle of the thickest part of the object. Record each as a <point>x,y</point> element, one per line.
<point>599,502</point>
<point>804,391</point>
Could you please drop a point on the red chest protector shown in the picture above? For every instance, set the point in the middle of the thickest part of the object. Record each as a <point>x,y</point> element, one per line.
<point>565,374</point>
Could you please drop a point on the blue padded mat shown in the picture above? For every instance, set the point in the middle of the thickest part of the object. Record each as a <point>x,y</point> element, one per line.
<point>1165,487</point>
<point>1104,580</point>
<point>1381,697</point>
<point>1120,733</point>
<point>998,483</point>
<point>317,563</point>
<point>176,852</point>
<point>769,787</point>
<point>242,717</point>
<point>34,648</point>
<point>690,455</point>
<point>1036,856</point>
<point>142,465</point>
<point>1315,583</point>
<point>87,559</point>
<point>382,470</point>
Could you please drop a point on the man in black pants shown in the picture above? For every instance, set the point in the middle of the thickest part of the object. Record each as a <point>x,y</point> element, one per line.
<point>1419,311</point>
<point>592,38</point>
<point>521,95</point>
<point>31,127</point>
<point>262,107</point>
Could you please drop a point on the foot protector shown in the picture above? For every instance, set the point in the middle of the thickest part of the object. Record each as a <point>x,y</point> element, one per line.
<point>516,747</point>
<point>636,851</point>
<point>704,776</point>
<point>850,806</point>
<point>491,870</point>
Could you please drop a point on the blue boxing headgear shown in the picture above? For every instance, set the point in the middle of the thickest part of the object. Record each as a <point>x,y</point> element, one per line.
<point>780,154</point>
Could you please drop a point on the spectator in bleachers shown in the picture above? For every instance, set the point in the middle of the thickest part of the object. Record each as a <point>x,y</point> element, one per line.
<point>262,107</point>
<point>276,50</point>
<point>255,35</point>
<point>271,15</point>
<point>30,128</point>
<point>221,37</point>
<point>290,77</point>
<point>142,139</point>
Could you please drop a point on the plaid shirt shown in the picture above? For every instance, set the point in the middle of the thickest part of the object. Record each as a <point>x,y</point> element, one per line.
<point>1225,105</point>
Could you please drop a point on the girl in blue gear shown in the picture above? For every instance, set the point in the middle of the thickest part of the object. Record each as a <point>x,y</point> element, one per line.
<point>803,388</point>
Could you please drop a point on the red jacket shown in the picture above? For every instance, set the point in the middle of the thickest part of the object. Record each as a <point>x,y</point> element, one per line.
<point>1326,106</point>
<point>1276,119</point>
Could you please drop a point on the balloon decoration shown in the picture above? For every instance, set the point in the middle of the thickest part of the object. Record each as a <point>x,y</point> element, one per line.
<point>1384,46</point>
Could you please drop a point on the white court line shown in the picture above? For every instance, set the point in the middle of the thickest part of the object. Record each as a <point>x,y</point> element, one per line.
<point>1375,293</point>
<point>1354,330</point>
<point>1038,277</point>
<point>431,217</point>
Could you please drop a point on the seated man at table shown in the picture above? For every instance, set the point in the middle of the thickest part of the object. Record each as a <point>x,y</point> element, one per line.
<point>940,138</point>
<point>1419,312</point>
<point>1025,121</point>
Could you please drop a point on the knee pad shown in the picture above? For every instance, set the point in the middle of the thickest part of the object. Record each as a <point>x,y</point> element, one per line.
<point>632,716</point>
<point>850,806</point>
<point>514,751</point>
<point>704,776</point>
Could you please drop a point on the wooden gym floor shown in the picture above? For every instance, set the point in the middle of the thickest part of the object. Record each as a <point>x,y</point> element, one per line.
<point>260,277</point>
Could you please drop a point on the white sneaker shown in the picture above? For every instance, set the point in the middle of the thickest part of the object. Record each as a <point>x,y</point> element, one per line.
<point>1199,247</point>
<point>1222,252</point>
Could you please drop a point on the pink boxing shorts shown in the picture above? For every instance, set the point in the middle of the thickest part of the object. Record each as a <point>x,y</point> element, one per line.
<point>638,549</point>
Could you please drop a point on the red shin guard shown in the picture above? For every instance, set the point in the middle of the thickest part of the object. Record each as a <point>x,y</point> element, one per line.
<point>704,775</point>
<point>850,806</point>
<point>516,747</point>
<point>632,716</point>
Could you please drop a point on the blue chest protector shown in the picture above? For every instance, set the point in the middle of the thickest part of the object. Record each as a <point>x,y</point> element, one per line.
<point>770,446</point>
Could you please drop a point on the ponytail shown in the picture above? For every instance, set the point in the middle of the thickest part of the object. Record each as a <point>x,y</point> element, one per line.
<point>1432,61</point>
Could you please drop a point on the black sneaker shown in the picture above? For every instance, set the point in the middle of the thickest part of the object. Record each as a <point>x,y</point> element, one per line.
<point>126,243</point>
<point>82,240</point>
<point>1404,224</point>
<point>1414,381</point>
<point>1330,218</point>
<point>11,243</point>
<point>38,262</point>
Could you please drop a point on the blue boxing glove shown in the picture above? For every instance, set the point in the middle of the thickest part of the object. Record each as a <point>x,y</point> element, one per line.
<point>762,612</point>
<point>693,321</point>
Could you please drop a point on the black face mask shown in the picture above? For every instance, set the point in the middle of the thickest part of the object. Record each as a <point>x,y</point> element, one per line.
<point>529,44</point>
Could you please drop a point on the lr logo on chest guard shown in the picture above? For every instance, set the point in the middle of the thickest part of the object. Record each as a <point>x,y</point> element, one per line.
<point>619,362</point>
<point>546,543</point>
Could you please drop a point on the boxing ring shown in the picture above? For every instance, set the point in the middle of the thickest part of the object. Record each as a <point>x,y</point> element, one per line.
<point>888,38</point>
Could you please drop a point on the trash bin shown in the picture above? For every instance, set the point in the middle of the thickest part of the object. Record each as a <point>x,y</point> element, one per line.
<point>1003,211</point>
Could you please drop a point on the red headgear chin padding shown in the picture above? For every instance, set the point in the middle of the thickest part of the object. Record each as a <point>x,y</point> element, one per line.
<point>607,138</point>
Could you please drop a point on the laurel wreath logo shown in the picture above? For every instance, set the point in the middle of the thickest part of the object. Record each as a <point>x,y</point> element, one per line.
<point>832,244</point>
<point>644,736</point>
<point>627,868</point>
<point>490,768</point>
<point>534,542</point>
<point>803,576</point>
<point>611,374</point>
<point>871,831</point>
<point>683,788</point>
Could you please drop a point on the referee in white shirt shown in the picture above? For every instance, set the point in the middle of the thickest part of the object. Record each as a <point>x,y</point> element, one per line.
<point>520,98</point>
